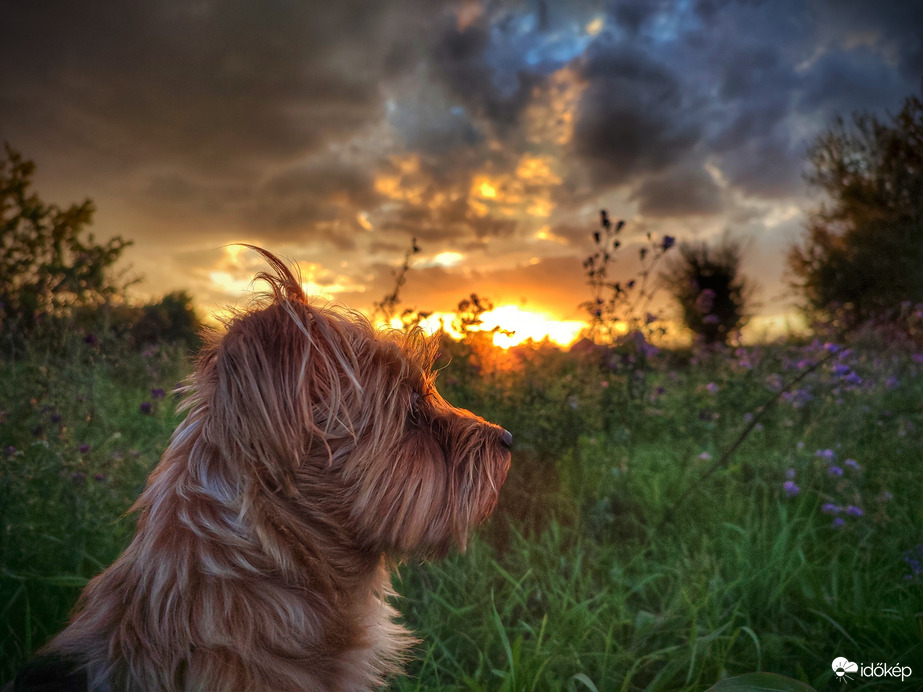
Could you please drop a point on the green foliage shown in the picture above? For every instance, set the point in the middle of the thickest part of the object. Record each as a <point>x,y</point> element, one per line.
<point>707,286</point>
<point>594,588</point>
<point>79,433</point>
<point>171,320</point>
<point>47,268</point>
<point>594,572</point>
<point>863,247</point>
<point>760,682</point>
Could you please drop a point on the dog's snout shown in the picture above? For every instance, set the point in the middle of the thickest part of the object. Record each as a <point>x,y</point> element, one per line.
<point>506,439</point>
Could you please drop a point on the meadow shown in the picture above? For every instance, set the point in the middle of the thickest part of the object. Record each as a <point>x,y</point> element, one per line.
<point>673,517</point>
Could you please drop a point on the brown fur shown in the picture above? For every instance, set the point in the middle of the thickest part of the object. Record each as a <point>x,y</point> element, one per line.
<point>314,452</point>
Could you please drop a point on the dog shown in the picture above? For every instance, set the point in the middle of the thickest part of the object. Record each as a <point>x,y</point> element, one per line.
<point>315,454</point>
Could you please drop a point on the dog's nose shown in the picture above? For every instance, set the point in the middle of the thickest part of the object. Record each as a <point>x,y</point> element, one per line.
<point>506,439</point>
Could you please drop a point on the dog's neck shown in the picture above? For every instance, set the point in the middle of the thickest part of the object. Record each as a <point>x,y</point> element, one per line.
<point>293,597</point>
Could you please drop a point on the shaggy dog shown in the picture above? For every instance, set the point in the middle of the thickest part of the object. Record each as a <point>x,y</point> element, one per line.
<point>315,452</point>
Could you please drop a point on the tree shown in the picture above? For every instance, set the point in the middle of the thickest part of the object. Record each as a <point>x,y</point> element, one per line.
<point>863,246</point>
<point>711,293</point>
<point>47,268</point>
<point>171,319</point>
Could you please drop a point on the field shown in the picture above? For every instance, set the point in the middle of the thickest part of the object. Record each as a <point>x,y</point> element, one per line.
<point>672,517</point>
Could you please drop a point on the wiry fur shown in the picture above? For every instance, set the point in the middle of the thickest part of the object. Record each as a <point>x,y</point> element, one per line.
<point>314,452</point>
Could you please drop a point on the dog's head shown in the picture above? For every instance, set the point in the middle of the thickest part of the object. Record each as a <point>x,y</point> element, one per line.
<point>310,407</point>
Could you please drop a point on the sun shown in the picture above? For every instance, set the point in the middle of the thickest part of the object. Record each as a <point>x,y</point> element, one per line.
<point>514,326</point>
<point>526,324</point>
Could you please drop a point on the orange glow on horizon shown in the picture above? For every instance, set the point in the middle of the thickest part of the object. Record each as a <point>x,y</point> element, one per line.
<point>524,325</point>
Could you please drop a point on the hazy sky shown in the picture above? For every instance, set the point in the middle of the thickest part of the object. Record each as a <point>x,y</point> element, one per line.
<point>334,132</point>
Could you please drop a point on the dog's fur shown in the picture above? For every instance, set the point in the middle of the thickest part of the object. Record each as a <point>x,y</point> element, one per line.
<point>315,451</point>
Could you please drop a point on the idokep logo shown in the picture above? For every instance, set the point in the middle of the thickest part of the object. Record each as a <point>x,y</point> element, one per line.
<point>843,666</point>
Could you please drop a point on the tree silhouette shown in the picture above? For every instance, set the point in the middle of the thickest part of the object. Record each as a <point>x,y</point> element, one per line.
<point>47,268</point>
<point>863,247</point>
<point>707,286</point>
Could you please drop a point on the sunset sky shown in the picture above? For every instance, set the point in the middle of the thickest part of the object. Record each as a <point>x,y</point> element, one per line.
<point>493,132</point>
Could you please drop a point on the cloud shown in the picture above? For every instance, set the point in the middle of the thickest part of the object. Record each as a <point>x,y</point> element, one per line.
<point>340,130</point>
<point>217,85</point>
<point>631,118</point>
<point>678,193</point>
<point>461,60</point>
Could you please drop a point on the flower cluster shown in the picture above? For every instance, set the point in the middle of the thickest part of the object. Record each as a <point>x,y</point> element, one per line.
<point>914,560</point>
<point>844,475</point>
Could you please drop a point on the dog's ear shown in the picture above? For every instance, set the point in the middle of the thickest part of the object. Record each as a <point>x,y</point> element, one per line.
<point>251,406</point>
<point>283,384</point>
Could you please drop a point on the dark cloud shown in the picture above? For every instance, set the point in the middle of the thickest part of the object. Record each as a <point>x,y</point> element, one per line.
<point>211,84</point>
<point>842,82</point>
<point>429,123</point>
<point>678,193</point>
<point>891,28</point>
<point>632,117</point>
<point>460,59</point>
<point>317,201</point>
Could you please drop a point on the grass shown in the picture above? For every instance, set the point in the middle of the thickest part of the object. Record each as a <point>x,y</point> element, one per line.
<point>615,561</point>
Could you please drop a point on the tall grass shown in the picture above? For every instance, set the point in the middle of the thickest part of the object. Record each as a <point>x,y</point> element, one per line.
<point>82,423</point>
<point>616,560</point>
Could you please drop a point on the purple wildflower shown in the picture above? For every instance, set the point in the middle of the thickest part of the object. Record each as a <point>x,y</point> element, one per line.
<point>838,522</point>
<point>157,393</point>
<point>790,488</point>
<point>84,448</point>
<point>99,477</point>
<point>852,463</point>
<point>91,340</point>
<point>668,242</point>
<point>841,370</point>
<point>913,558</point>
<point>790,474</point>
<point>712,387</point>
<point>146,408</point>
<point>917,357</point>
<point>892,382</point>
<point>825,454</point>
<point>830,508</point>
<point>835,471</point>
<point>854,511</point>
